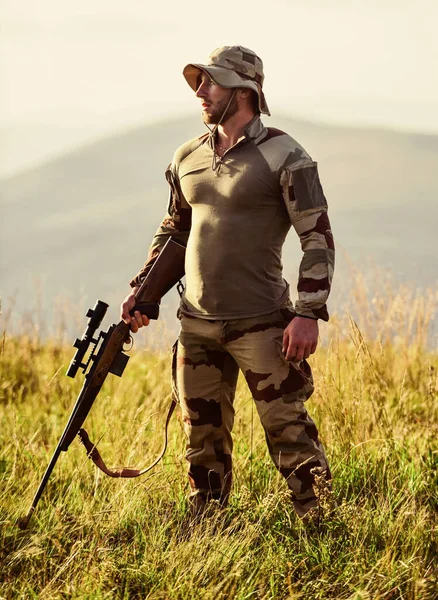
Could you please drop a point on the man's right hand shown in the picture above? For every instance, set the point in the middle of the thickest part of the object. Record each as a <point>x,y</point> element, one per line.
<point>138,320</point>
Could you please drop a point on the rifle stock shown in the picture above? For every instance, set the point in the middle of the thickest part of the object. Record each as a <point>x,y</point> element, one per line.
<point>108,356</point>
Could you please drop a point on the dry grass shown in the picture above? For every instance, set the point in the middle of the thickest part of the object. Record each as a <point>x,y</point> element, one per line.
<point>92,537</point>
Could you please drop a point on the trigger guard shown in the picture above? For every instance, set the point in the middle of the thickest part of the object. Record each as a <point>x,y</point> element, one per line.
<point>129,340</point>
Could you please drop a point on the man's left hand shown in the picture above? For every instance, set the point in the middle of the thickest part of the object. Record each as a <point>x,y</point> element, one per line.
<point>300,339</point>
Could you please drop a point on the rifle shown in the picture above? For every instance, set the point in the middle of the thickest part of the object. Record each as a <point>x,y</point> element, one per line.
<point>108,356</point>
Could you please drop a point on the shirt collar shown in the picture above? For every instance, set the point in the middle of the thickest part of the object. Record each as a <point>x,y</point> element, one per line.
<point>255,129</point>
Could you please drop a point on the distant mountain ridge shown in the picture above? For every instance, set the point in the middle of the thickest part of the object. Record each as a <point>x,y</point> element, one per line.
<point>82,223</point>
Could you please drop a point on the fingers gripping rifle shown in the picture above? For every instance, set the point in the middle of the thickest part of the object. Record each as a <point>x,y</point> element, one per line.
<point>108,356</point>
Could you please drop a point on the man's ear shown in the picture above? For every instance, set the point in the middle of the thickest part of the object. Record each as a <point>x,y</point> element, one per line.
<point>244,92</point>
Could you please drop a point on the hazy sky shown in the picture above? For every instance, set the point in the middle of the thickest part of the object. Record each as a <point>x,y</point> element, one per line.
<point>73,70</point>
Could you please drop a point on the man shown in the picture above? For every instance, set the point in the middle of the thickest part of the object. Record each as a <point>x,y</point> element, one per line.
<point>235,192</point>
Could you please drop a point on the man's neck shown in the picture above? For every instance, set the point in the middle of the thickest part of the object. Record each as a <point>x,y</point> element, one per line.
<point>230,131</point>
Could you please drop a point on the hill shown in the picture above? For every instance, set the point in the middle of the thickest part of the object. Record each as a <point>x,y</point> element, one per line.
<point>81,224</point>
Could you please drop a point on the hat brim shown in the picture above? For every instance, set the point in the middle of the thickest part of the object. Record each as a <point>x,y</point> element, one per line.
<point>226,78</point>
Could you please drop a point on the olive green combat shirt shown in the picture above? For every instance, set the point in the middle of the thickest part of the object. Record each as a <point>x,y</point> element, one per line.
<point>234,213</point>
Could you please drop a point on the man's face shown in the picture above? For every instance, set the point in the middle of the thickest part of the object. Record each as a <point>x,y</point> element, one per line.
<point>214,100</point>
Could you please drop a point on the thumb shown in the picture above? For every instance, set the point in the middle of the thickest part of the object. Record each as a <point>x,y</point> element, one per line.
<point>127,305</point>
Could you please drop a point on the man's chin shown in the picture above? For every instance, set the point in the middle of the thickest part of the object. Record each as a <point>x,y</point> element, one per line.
<point>209,119</point>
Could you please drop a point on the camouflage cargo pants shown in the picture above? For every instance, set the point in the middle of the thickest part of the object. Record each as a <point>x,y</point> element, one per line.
<point>208,359</point>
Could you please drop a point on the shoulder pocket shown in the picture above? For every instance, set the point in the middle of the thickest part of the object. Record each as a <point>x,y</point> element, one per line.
<point>307,187</point>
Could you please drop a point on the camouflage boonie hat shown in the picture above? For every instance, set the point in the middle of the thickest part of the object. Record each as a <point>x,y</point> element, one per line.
<point>231,67</point>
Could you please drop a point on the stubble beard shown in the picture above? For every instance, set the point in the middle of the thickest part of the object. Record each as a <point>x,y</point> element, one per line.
<point>216,113</point>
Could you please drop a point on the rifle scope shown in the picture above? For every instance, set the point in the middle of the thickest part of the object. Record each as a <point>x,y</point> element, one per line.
<point>96,315</point>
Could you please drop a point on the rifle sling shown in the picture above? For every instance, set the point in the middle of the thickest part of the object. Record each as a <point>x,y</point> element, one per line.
<point>94,454</point>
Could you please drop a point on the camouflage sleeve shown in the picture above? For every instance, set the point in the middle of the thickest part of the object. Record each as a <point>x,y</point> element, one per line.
<point>176,224</point>
<point>307,208</point>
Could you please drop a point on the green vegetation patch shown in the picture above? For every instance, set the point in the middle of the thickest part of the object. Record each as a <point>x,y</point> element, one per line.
<point>374,536</point>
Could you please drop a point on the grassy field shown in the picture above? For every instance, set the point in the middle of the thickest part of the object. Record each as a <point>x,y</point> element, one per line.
<point>94,537</point>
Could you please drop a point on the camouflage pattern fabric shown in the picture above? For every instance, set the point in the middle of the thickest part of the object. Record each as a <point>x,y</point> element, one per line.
<point>231,67</point>
<point>209,356</point>
<point>266,184</point>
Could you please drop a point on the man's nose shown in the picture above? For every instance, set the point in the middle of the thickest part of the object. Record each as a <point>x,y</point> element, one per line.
<point>201,92</point>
